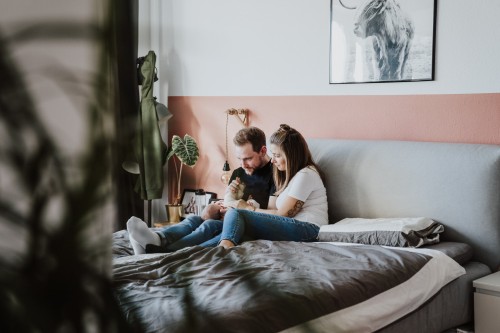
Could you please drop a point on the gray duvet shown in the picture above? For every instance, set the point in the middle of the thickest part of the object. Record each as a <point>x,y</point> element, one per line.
<point>260,286</point>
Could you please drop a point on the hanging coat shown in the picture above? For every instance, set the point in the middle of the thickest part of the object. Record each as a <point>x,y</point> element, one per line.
<point>150,150</point>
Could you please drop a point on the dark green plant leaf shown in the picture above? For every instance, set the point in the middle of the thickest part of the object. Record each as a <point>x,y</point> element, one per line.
<point>186,150</point>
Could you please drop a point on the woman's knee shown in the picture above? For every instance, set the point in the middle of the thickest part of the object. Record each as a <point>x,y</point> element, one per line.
<point>310,233</point>
<point>231,213</point>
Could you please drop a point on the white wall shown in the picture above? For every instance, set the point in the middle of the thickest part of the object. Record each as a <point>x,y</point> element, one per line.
<point>152,30</point>
<point>281,47</point>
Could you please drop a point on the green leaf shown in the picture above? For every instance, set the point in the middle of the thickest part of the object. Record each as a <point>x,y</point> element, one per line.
<point>186,150</point>
<point>170,152</point>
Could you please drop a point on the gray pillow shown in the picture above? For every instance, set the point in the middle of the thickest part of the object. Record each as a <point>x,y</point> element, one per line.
<point>401,232</point>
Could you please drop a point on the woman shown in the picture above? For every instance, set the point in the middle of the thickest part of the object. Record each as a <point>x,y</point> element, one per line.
<point>301,204</point>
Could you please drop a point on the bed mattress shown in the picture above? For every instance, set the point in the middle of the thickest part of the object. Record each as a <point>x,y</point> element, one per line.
<point>264,286</point>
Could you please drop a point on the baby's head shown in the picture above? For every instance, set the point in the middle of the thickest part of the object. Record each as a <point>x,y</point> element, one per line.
<point>211,212</point>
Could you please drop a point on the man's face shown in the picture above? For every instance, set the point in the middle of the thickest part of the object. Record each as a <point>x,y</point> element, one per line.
<point>250,160</point>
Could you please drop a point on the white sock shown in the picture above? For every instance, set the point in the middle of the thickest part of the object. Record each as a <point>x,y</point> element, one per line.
<point>139,231</point>
<point>138,249</point>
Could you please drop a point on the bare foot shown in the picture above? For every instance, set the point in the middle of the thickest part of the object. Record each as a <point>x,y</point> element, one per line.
<point>227,244</point>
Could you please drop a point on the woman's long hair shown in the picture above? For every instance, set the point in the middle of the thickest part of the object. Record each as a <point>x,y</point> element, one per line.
<point>295,148</point>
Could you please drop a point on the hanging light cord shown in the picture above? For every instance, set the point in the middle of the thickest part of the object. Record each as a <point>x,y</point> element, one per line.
<point>225,169</point>
<point>227,121</point>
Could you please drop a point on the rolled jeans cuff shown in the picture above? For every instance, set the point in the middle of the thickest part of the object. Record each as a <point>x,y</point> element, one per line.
<point>163,240</point>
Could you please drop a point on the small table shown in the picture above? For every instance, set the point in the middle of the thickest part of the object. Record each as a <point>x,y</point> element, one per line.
<point>487,303</point>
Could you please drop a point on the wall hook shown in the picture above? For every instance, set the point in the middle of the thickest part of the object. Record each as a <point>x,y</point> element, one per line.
<point>239,113</point>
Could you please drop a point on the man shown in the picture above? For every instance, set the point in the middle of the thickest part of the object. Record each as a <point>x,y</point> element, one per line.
<point>255,172</point>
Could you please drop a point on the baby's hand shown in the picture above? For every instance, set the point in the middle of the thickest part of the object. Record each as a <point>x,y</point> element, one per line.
<point>253,203</point>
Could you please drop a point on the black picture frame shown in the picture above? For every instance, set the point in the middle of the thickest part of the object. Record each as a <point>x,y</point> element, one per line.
<point>188,200</point>
<point>359,53</point>
<point>211,196</point>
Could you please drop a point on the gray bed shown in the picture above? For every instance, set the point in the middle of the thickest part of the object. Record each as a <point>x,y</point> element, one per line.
<point>457,185</point>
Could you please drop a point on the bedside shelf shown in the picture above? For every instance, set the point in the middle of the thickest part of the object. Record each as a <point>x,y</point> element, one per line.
<point>487,303</point>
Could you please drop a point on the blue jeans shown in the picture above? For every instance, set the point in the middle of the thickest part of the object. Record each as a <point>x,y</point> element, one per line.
<point>240,222</point>
<point>189,232</point>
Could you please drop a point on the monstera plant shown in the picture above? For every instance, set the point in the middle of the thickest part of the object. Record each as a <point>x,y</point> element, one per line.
<point>187,153</point>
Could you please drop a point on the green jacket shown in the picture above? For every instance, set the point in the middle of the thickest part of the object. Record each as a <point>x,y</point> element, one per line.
<point>150,150</point>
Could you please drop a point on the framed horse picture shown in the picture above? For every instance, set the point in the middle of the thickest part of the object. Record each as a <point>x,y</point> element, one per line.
<point>382,40</point>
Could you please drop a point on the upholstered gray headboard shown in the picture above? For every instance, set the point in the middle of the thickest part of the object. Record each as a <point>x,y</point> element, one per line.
<point>455,184</point>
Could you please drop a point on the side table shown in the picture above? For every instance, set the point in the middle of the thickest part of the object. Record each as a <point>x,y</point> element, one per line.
<point>487,303</point>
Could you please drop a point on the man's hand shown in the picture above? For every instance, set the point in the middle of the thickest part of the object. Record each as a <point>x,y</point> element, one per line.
<point>234,190</point>
<point>233,186</point>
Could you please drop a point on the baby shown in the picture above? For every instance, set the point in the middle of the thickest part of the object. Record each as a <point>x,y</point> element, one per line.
<point>212,212</point>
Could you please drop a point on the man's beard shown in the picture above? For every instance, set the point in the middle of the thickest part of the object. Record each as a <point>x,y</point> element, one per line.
<point>249,171</point>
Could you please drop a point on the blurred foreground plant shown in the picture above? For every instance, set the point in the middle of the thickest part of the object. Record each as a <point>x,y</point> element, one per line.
<point>55,209</point>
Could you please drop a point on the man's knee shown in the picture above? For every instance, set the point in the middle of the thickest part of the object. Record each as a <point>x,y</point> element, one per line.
<point>194,221</point>
<point>212,225</point>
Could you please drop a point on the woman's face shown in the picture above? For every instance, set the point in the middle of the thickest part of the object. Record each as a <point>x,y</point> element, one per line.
<point>278,157</point>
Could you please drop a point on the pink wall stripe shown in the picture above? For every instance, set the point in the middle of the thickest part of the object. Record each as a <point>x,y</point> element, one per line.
<point>470,118</point>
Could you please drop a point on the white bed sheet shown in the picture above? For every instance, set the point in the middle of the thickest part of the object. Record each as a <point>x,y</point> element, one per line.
<point>387,307</point>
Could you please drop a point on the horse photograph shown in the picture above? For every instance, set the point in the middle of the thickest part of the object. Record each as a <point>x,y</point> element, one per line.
<point>382,40</point>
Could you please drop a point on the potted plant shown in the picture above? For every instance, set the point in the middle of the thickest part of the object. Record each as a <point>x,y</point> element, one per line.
<point>187,153</point>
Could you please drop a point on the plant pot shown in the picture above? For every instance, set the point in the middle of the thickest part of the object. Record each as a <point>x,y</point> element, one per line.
<point>174,213</point>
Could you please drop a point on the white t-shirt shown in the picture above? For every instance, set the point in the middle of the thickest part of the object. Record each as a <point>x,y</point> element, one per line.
<point>308,187</point>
